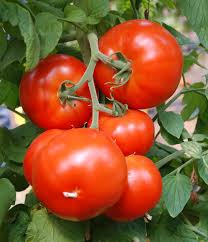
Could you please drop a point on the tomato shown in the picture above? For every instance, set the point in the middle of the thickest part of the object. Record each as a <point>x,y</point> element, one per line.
<point>79,174</point>
<point>142,192</point>
<point>133,132</point>
<point>39,91</point>
<point>34,149</point>
<point>156,61</point>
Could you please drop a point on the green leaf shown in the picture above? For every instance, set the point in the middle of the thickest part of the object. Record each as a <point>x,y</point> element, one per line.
<point>56,3</point>
<point>182,39</point>
<point>18,227</point>
<point>94,9</point>
<point>8,196</point>
<point>18,15</point>
<point>15,52</point>
<point>171,230</point>
<point>74,14</point>
<point>12,73</point>
<point>191,59</point>
<point>9,94</point>
<point>31,199</point>
<point>203,168</point>
<point>106,230</point>
<point>45,227</point>
<point>18,180</point>
<point>49,30</point>
<point>170,139</point>
<point>44,6</point>
<point>168,3</point>
<point>3,42</point>
<point>176,193</point>
<point>203,224</point>
<point>172,123</point>
<point>192,149</point>
<point>196,14</point>
<point>194,103</point>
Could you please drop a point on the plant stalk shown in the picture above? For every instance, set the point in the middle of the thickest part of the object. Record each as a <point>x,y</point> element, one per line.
<point>169,158</point>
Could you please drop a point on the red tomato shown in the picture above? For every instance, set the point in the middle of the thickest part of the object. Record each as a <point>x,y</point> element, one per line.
<point>79,174</point>
<point>156,61</point>
<point>39,93</point>
<point>142,192</point>
<point>34,149</point>
<point>133,132</point>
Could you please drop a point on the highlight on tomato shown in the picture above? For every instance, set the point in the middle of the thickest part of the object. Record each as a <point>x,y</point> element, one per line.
<point>43,98</point>
<point>79,174</point>
<point>155,58</point>
<point>142,192</point>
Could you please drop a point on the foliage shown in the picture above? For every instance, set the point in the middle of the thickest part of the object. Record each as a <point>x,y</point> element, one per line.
<point>31,30</point>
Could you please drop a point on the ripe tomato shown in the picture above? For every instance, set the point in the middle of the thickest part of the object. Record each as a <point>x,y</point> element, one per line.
<point>156,61</point>
<point>142,192</point>
<point>34,150</point>
<point>133,132</point>
<point>79,174</point>
<point>39,91</point>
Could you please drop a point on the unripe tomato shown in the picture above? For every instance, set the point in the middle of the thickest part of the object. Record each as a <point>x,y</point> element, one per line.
<point>79,174</point>
<point>156,62</point>
<point>39,93</point>
<point>34,149</point>
<point>142,192</point>
<point>133,132</point>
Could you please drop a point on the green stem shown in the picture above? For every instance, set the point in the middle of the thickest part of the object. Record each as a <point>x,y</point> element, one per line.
<point>184,80</point>
<point>169,158</point>
<point>136,15</point>
<point>183,91</point>
<point>178,170</point>
<point>158,133</point>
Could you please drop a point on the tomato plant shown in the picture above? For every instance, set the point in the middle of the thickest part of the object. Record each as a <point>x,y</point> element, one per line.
<point>45,106</point>
<point>65,62</point>
<point>143,176</point>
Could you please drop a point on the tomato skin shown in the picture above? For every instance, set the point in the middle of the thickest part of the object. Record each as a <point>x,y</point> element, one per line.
<point>156,60</point>
<point>34,150</point>
<point>133,132</point>
<point>142,192</point>
<point>39,93</point>
<point>84,161</point>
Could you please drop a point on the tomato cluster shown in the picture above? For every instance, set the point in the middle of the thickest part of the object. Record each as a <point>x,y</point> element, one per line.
<point>78,172</point>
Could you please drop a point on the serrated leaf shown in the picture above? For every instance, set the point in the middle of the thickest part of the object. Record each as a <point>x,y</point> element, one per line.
<point>192,149</point>
<point>190,60</point>
<point>56,3</point>
<point>171,230</point>
<point>94,9</point>
<point>74,14</point>
<point>18,227</point>
<point>44,6</point>
<point>176,193</point>
<point>9,94</point>
<point>203,168</point>
<point>194,103</point>
<point>45,227</point>
<point>15,52</point>
<point>49,30</point>
<point>172,123</point>
<point>3,42</point>
<point>182,39</point>
<point>196,14</point>
<point>17,15</point>
<point>7,197</point>
<point>170,139</point>
<point>105,230</point>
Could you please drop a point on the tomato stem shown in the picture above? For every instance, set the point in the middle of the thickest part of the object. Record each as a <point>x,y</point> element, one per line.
<point>178,170</point>
<point>183,91</point>
<point>169,158</point>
